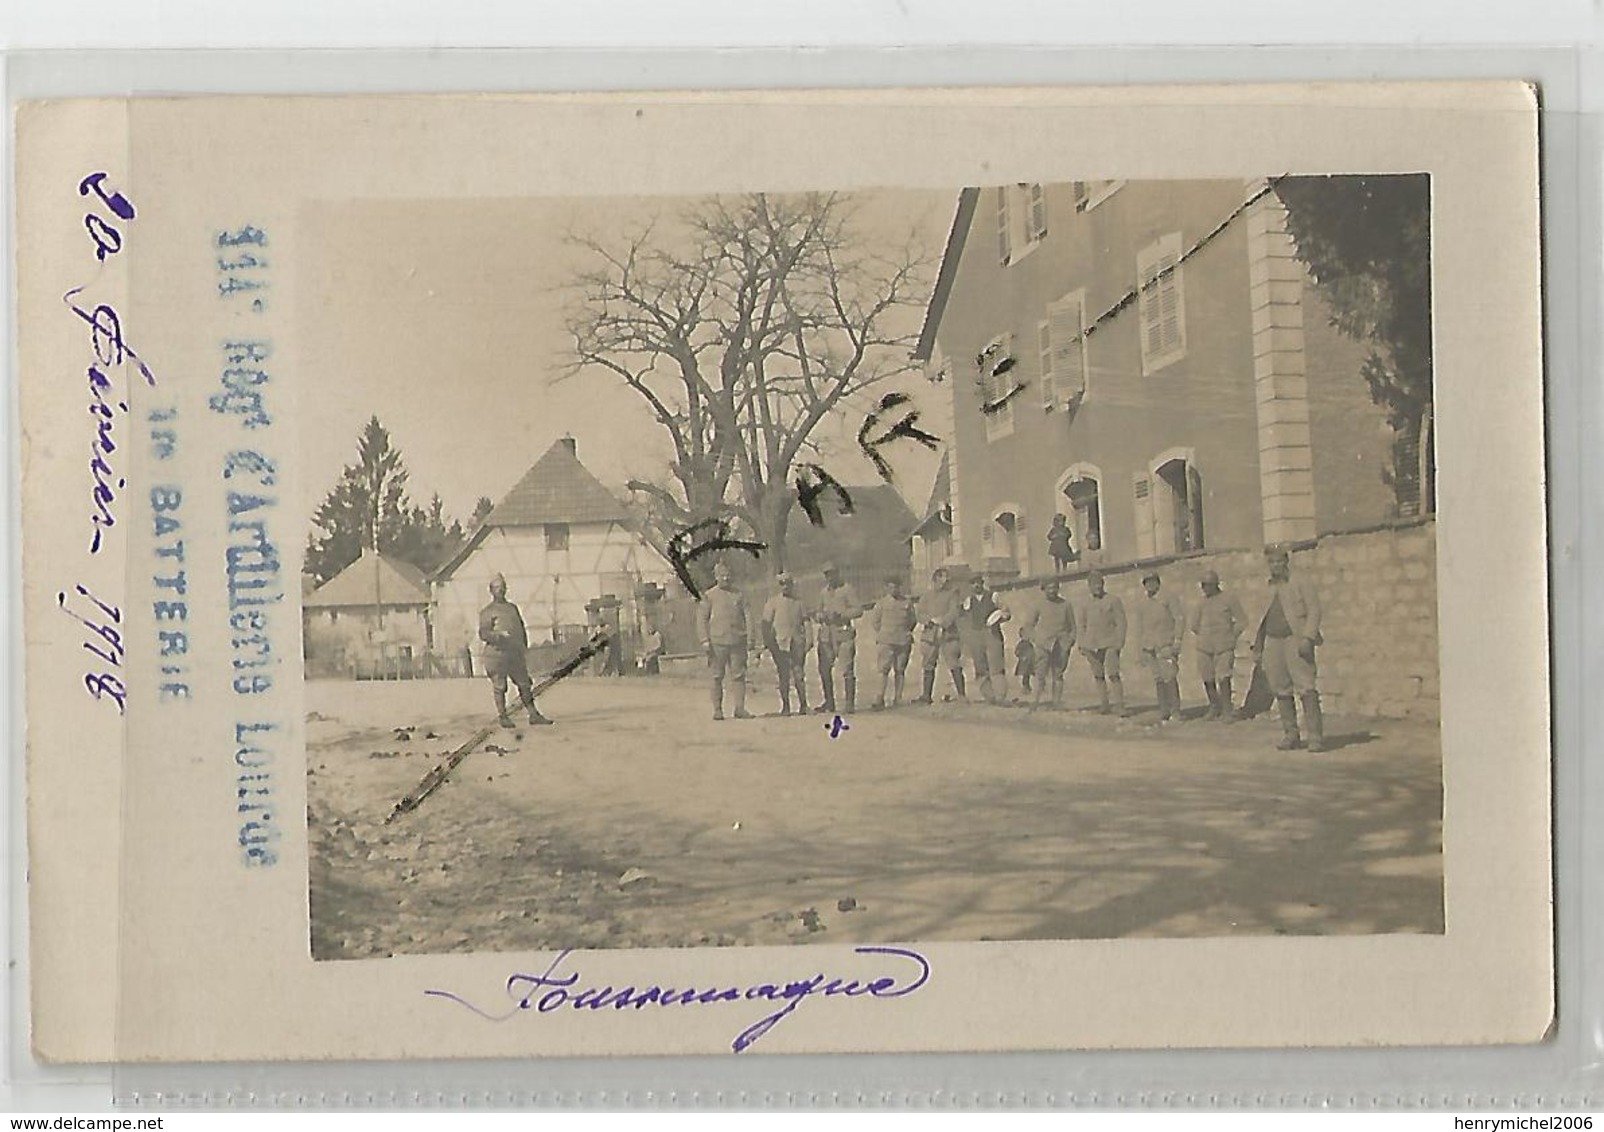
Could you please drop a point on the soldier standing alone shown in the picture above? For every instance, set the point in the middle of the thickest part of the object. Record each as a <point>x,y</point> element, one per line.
<point>501,628</point>
<point>1288,629</point>
<point>721,624</point>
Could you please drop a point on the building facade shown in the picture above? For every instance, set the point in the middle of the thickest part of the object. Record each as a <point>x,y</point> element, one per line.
<point>1150,360</point>
<point>370,621</point>
<point>563,542</point>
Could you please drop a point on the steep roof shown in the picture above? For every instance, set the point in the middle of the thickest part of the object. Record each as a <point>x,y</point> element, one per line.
<point>389,581</point>
<point>940,504</point>
<point>557,489</point>
<point>874,536</point>
<point>962,220</point>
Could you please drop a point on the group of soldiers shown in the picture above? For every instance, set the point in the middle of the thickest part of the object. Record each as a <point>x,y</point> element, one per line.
<point>955,623</point>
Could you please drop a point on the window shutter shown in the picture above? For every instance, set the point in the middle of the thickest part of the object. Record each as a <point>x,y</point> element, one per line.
<point>1082,191</point>
<point>1038,212</point>
<point>1044,346</point>
<point>1194,504</point>
<point>1169,317</point>
<point>1021,543</point>
<point>1142,493</point>
<point>1069,347</point>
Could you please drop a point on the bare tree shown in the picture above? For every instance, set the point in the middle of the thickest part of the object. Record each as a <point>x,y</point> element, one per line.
<point>743,325</point>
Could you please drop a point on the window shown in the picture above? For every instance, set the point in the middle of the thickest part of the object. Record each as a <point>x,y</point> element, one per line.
<point>1081,486</point>
<point>1036,196</point>
<point>1162,303</point>
<point>1062,343</point>
<point>1021,220</point>
<point>997,383</point>
<point>1087,195</point>
<point>1169,506</point>
<point>556,536</point>
<point>1009,540</point>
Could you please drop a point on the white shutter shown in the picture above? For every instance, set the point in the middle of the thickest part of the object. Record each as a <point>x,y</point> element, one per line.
<point>1021,544</point>
<point>1171,323</point>
<point>1069,346</point>
<point>1142,496</point>
<point>1044,347</point>
<point>1038,212</point>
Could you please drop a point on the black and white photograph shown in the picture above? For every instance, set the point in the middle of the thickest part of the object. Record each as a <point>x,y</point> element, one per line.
<point>626,575</point>
<point>1025,561</point>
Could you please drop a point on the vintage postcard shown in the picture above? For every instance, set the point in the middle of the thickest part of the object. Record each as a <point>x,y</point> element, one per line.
<point>821,571</point>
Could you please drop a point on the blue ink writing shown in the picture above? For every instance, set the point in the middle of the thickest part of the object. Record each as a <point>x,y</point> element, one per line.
<point>101,450</point>
<point>169,578</point>
<point>104,681</point>
<point>551,991</point>
<point>836,726</point>
<point>107,236</point>
<point>252,563</point>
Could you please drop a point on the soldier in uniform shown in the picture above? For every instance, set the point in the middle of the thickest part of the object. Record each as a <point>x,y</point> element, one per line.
<point>721,625</point>
<point>1217,622</point>
<point>1161,626</point>
<point>1288,629</point>
<point>939,611</point>
<point>838,639</point>
<point>506,641</point>
<point>1050,628</point>
<point>785,634</point>
<point>892,619</point>
<point>1102,636</point>
<point>981,636</point>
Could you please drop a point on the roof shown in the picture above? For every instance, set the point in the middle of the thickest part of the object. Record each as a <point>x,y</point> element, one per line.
<point>366,582</point>
<point>874,535</point>
<point>939,508</point>
<point>557,489</point>
<point>962,220</point>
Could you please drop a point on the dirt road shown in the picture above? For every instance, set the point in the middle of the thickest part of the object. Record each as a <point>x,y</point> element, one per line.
<point>638,821</point>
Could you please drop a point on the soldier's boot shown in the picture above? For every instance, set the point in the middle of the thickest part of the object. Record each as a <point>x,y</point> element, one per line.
<point>1161,692</point>
<point>1172,689</point>
<point>1102,696</point>
<point>785,700</point>
<point>1313,723</point>
<point>740,701</point>
<point>1288,709</point>
<point>828,706</point>
<point>501,710</point>
<point>849,685</point>
<point>534,713</point>
<point>897,681</point>
<point>718,698</point>
<point>1212,691</point>
<point>958,683</point>
<point>1116,690</point>
<point>929,692</point>
<point>1058,690</point>
<point>1227,703</point>
<point>801,694</point>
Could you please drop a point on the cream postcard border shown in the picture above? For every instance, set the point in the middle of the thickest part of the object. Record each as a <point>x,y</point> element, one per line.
<point>152,941</point>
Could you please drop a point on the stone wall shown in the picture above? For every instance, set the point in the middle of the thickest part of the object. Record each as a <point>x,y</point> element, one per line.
<point>1378,591</point>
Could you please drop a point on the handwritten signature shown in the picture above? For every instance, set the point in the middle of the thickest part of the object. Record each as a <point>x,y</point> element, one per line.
<point>551,991</point>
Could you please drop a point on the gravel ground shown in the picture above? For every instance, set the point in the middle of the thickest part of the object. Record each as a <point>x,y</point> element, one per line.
<point>638,821</point>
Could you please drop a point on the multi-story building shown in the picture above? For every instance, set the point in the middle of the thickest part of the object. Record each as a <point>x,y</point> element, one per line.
<point>1151,360</point>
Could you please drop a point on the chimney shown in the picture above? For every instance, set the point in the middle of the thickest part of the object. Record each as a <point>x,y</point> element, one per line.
<point>572,445</point>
